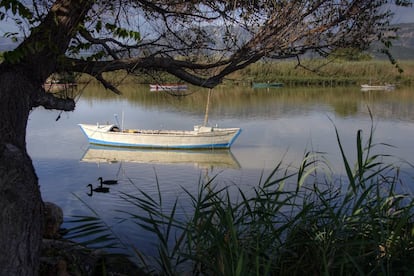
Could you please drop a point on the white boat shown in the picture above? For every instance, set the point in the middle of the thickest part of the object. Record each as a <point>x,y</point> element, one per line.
<point>221,158</point>
<point>201,137</point>
<point>385,87</point>
<point>168,87</point>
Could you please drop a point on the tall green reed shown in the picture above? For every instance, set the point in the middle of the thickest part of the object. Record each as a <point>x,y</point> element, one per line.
<point>92,231</point>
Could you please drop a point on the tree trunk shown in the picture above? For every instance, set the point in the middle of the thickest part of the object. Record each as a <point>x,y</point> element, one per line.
<point>21,77</point>
<point>21,206</point>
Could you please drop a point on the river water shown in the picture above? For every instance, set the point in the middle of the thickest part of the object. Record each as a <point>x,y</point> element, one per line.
<point>278,124</point>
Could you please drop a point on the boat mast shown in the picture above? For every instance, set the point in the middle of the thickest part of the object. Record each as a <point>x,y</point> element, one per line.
<point>122,121</point>
<point>207,107</point>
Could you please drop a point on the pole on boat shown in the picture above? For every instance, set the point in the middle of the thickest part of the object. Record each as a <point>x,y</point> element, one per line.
<point>116,119</point>
<point>122,121</point>
<point>207,107</point>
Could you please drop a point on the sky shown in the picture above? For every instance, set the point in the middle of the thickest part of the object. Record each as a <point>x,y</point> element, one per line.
<point>402,15</point>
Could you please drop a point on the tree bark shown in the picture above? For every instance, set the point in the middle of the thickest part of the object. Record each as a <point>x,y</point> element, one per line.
<point>21,206</point>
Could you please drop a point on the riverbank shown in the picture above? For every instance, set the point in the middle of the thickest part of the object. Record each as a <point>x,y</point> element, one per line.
<point>308,73</point>
<point>325,73</point>
<point>63,257</point>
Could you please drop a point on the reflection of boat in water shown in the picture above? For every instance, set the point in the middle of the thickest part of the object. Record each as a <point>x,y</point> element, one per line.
<point>267,84</point>
<point>168,87</point>
<point>385,87</point>
<point>222,158</point>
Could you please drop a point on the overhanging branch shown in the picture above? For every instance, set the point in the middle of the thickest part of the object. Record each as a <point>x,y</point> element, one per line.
<point>177,68</point>
<point>48,101</point>
<point>108,85</point>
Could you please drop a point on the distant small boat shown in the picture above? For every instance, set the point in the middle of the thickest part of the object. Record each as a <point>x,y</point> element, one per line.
<point>267,84</point>
<point>201,137</point>
<point>168,87</point>
<point>385,87</point>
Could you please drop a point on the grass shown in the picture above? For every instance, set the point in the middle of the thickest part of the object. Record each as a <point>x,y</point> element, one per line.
<point>321,72</point>
<point>357,224</point>
<point>317,72</point>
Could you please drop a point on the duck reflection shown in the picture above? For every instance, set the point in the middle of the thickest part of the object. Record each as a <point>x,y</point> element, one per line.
<point>99,189</point>
<point>222,158</point>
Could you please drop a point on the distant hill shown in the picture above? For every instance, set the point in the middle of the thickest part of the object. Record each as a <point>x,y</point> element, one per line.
<point>403,47</point>
<point>406,35</point>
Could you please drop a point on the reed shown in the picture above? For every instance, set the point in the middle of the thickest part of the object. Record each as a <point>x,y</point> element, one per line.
<point>91,231</point>
<point>294,221</point>
<point>314,72</point>
<point>321,72</point>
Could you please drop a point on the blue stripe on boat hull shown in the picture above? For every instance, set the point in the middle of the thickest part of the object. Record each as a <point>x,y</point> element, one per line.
<point>99,142</point>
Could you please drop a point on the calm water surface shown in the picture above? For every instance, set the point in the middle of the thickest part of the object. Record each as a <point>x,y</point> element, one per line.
<point>278,124</point>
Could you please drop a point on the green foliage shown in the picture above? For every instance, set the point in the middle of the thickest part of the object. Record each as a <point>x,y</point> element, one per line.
<point>404,3</point>
<point>92,231</point>
<point>88,226</point>
<point>122,32</point>
<point>13,57</point>
<point>16,7</point>
<point>16,56</point>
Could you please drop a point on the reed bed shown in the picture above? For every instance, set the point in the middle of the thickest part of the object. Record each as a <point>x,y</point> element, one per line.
<point>317,72</point>
<point>357,224</point>
<point>321,72</point>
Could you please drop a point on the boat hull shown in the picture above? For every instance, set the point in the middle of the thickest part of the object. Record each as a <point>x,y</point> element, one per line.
<point>199,138</point>
<point>168,87</point>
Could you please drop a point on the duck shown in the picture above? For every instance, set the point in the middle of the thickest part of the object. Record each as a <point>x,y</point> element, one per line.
<point>107,182</point>
<point>99,189</point>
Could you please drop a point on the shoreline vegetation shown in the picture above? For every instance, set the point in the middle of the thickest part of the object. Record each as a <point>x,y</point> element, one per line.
<point>311,73</point>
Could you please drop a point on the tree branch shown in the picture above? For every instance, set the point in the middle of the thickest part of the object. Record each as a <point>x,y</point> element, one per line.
<point>48,101</point>
<point>177,68</point>
<point>108,85</point>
